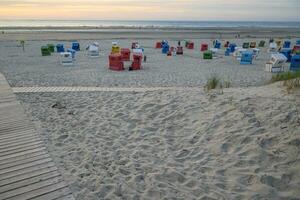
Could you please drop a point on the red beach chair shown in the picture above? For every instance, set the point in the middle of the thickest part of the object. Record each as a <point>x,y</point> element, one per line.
<point>137,62</point>
<point>125,52</point>
<point>158,45</point>
<point>190,45</point>
<point>204,47</point>
<point>116,62</point>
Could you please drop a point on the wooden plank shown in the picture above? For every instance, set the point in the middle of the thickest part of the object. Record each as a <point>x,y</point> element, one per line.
<point>20,162</point>
<point>22,157</point>
<point>19,142</point>
<point>20,137</point>
<point>26,170</point>
<point>16,135</point>
<point>28,175</point>
<point>14,147</point>
<point>27,148</point>
<point>27,165</point>
<point>22,153</point>
<point>31,188</point>
<point>41,191</point>
<point>57,194</point>
<point>68,197</point>
<point>28,181</point>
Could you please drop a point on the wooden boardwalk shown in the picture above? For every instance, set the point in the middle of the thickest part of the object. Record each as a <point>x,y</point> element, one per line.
<point>26,169</point>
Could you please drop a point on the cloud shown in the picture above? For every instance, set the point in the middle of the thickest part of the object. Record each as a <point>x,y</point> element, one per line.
<point>163,9</point>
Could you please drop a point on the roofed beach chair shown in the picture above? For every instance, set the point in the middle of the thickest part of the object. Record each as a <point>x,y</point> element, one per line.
<point>286,44</point>
<point>45,51</point>
<point>295,63</point>
<point>94,50</point>
<point>246,45</point>
<point>76,46</point>
<point>116,62</point>
<point>262,43</point>
<point>273,48</point>
<point>287,53</point>
<point>66,59</point>
<point>276,63</point>
<point>252,44</point>
<point>51,48</point>
<point>207,55</point>
<point>238,52</point>
<point>247,58</point>
<point>60,48</point>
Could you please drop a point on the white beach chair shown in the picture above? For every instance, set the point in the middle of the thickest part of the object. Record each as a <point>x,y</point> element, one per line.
<point>214,52</point>
<point>276,63</point>
<point>66,59</point>
<point>256,52</point>
<point>272,48</point>
<point>93,51</point>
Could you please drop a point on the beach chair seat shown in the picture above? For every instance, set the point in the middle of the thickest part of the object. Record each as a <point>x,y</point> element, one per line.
<point>73,53</point>
<point>276,63</point>
<point>125,52</point>
<point>295,63</point>
<point>279,43</point>
<point>247,58</point>
<point>179,50</point>
<point>287,52</point>
<point>273,48</point>
<point>208,55</point>
<point>286,44</point>
<point>204,47</point>
<point>51,48</point>
<point>228,51</point>
<point>252,44</point>
<point>232,47</point>
<point>238,52</point>
<point>296,48</point>
<point>66,59</point>
<point>190,45</point>
<point>60,48</point>
<point>262,43</point>
<point>137,61</point>
<point>246,45</point>
<point>158,45</point>
<point>217,44</point>
<point>116,62</point>
<point>165,48</point>
<point>45,51</point>
<point>76,46</point>
<point>256,52</point>
<point>227,43</point>
<point>93,51</point>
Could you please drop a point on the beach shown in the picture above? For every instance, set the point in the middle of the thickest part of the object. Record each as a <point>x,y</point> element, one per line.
<point>240,142</point>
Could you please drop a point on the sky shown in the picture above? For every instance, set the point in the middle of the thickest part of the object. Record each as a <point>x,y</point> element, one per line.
<point>227,10</point>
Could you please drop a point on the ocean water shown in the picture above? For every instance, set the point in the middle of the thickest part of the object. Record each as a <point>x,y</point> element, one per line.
<point>144,24</point>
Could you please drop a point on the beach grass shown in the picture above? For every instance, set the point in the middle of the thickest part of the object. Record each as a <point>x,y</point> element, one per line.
<point>291,80</point>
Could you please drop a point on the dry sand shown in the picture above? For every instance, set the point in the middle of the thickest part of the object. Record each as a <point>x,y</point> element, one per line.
<point>243,144</point>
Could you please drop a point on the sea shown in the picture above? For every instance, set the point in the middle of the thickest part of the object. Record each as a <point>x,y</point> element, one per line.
<point>145,24</point>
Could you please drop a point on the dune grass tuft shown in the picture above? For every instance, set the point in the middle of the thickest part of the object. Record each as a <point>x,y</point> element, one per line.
<point>290,79</point>
<point>214,82</point>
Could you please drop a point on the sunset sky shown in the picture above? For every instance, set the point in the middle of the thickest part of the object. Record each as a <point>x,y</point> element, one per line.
<point>253,10</point>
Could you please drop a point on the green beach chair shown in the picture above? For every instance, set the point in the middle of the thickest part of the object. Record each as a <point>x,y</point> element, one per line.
<point>297,52</point>
<point>246,45</point>
<point>45,51</point>
<point>51,47</point>
<point>261,43</point>
<point>208,55</point>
